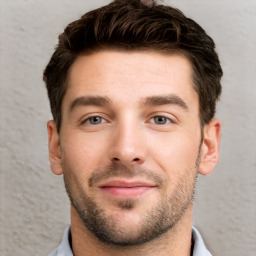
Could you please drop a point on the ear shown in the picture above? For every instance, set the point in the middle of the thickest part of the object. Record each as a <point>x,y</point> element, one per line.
<point>54,148</point>
<point>210,147</point>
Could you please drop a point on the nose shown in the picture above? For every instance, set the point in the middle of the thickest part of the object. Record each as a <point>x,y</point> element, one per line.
<point>128,145</point>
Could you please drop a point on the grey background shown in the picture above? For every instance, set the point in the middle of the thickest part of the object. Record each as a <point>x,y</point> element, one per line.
<point>34,207</point>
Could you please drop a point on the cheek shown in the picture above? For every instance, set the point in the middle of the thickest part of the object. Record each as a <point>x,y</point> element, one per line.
<point>175,153</point>
<point>82,154</point>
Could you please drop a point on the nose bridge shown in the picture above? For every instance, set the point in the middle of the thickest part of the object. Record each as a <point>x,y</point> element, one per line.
<point>127,141</point>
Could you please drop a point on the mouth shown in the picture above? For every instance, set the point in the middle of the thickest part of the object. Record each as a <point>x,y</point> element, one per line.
<point>126,188</point>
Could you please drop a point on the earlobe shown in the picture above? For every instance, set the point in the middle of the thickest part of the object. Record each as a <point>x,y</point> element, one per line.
<point>210,147</point>
<point>54,148</point>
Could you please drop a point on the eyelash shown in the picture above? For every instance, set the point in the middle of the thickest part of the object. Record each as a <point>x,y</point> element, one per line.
<point>166,120</point>
<point>89,120</point>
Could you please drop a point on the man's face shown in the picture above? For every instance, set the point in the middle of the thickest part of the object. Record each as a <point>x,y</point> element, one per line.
<point>130,143</point>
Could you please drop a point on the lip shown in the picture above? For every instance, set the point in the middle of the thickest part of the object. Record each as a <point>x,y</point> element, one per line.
<point>126,188</point>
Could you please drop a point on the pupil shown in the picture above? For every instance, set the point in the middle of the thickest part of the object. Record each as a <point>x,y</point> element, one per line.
<point>160,119</point>
<point>95,120</point>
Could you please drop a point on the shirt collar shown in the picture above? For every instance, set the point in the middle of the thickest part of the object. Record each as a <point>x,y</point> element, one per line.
<point>199,246</point>
<point>65,249</point>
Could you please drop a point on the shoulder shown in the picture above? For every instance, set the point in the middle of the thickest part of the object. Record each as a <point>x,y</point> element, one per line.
<point>54,253</point>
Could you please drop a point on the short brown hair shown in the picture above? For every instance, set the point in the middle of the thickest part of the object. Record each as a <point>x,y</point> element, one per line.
<point>132,25</point>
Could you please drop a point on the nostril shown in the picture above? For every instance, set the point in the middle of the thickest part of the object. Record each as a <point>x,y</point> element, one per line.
<point>115,159</point>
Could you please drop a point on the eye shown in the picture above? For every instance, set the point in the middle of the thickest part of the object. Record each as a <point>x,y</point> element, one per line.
<point>160,120</point>
<point>94,120</point>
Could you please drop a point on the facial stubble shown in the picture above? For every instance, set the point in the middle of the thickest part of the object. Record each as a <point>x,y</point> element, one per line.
<point>153,223</point>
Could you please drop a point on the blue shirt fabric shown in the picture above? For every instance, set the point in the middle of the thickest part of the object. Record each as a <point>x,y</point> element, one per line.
<point>64,249</point>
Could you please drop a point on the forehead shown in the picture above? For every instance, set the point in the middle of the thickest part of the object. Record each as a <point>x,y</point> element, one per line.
<point>130,75</point>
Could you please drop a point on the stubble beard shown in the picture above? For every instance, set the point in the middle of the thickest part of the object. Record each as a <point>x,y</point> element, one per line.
<point>155,222</point>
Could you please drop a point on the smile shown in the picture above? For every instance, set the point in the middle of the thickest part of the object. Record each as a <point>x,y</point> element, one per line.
<point>125,188</point>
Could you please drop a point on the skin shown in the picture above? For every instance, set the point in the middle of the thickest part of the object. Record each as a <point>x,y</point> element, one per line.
<point>144,134</point>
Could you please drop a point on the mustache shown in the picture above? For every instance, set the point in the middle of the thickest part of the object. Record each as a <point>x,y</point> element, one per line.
<point>119,170</point>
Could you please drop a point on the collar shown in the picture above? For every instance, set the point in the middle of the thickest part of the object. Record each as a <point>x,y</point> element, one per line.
<point>199,248</point>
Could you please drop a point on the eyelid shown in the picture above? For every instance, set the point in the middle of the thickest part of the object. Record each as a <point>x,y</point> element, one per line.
<point>167,119</point>
<point>168,116</point>
<point>88,120</point>
<point>86,117</point>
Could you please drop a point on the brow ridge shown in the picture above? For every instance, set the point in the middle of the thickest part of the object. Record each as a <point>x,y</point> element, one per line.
<point>165,100</point>
<point>89,100</point>
<point>148,101</point>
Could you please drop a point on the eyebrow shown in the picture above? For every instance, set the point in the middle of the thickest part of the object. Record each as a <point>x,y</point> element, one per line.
<point>148,101</point>
<point>165,100</point>
<point>90,100</point>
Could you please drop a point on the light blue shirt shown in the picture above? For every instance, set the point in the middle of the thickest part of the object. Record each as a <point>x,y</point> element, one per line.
<point>65,249</point>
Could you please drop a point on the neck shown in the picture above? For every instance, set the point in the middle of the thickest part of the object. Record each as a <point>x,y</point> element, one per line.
<point>176,241</point>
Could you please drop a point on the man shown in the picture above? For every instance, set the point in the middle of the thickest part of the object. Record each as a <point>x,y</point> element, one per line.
<point>133,87</point>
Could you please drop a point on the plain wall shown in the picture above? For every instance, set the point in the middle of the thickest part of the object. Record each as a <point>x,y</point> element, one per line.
<point>34,206</point>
